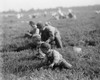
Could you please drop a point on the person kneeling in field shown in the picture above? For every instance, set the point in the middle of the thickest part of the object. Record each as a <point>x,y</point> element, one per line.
<point>50,35</point>
<point>54,58</point>
<point>34,34</point>
<point>35,31</point>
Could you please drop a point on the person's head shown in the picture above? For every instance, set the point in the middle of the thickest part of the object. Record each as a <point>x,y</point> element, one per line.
<point>32,24</point>
<point>40,26</point>
<point>45,47</point>
<point>47,23</point>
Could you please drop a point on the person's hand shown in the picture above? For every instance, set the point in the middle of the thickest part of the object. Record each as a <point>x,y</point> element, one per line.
<point>51,65</point>
<point>48,41</point>
<point>28,34</point>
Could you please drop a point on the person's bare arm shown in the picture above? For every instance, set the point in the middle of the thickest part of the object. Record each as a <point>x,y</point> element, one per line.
<point>29,33</point>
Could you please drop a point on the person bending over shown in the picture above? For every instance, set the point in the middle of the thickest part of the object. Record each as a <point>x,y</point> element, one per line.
<point>54,58</point>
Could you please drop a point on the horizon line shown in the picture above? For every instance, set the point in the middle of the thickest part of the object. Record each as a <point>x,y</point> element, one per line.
<point>48,8</point>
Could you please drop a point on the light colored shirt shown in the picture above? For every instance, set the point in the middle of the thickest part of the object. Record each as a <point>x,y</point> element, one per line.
<point>34,31</point>
<point>55,55</point>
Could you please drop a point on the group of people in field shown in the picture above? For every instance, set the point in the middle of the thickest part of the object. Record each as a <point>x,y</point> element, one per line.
<point>47,38</point>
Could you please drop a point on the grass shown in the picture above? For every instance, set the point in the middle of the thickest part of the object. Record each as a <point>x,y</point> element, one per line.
<point>19,61</point>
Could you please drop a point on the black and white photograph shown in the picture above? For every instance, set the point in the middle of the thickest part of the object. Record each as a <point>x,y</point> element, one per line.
<point>49,39</point>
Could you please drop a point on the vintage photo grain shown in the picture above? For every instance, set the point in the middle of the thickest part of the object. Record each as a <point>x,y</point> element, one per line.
<point>49,39</point>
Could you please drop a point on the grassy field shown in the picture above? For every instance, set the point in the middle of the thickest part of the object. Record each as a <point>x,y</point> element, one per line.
<point>18,52</point>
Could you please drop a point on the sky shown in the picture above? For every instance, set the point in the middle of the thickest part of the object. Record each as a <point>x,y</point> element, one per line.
<point>5,5</point>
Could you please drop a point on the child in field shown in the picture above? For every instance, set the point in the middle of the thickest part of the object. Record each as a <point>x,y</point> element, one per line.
<point>54,58</point>
<point>34,34</point>
<point>35,31</point>
<point>50,35</point>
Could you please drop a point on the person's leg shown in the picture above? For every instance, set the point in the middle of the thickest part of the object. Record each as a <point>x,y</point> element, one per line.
<point>58,42</point>
<point>65,64</point>
<point>57,66</point>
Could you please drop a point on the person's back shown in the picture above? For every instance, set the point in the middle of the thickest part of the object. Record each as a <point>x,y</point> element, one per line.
<point>48,32</point>
<point>57,60</point>
<point>54,56</point>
